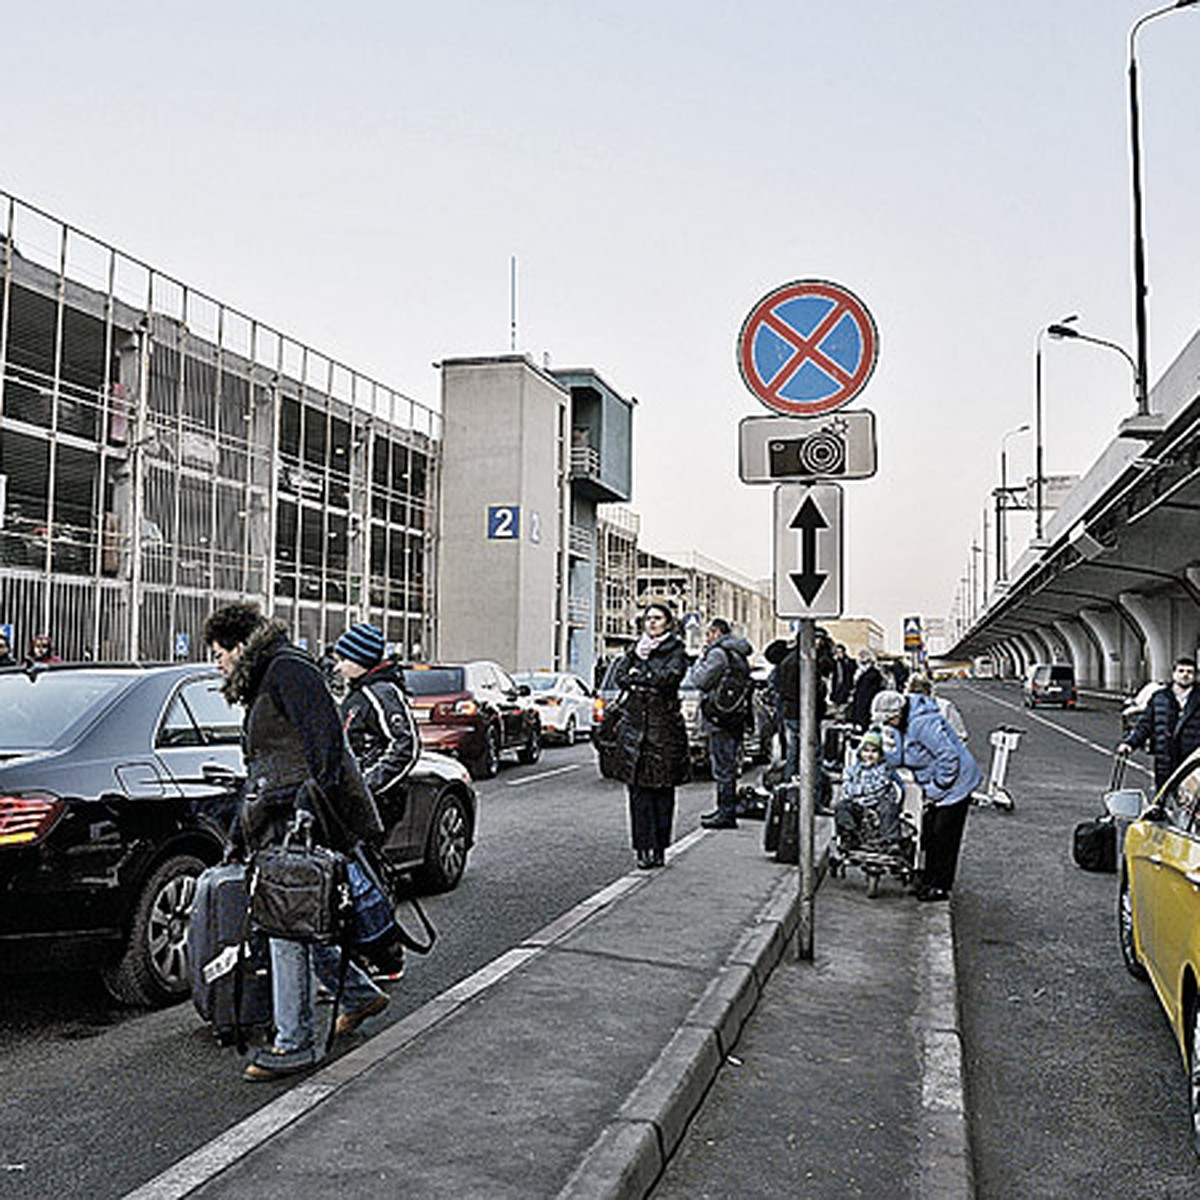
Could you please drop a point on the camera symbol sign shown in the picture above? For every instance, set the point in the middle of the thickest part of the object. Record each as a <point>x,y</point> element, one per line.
<point>807,348</point>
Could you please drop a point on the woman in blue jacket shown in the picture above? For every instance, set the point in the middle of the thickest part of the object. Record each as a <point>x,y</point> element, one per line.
<point>946,772</point>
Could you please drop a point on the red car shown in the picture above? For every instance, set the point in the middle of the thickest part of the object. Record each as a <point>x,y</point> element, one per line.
<point>474,711</point>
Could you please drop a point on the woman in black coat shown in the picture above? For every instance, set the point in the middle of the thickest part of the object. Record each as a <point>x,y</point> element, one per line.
<point>648,748</point>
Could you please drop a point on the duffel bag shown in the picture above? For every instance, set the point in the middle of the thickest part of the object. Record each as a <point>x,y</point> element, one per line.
<point>298,890</point>
<point>1094,844</point>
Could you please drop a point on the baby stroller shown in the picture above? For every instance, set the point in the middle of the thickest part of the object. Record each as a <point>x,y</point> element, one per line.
<point>870,853</point>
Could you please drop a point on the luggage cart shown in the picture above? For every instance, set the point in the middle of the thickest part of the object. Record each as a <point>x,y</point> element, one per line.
<point>1003,742</point>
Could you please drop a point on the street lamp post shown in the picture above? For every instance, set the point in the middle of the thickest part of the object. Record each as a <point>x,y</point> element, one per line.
<point>1140,368</point>
<point>1039,481</point>
<point>1002,505</point>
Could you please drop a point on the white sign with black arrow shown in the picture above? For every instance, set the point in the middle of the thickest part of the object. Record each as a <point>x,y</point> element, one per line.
<point>808,550</point>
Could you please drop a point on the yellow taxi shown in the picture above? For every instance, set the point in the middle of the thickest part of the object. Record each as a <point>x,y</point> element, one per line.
<point>1159,908</point>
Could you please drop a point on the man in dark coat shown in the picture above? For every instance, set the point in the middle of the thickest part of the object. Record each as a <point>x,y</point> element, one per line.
<point>646,745</point>
<point>725,651</point>
<point>1170,722</point>
<point>842,679</point>
<point>294,747</point>
<point>868,681</point>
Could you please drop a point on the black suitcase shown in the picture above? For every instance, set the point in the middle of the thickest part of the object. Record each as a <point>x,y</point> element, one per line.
<point>781,833</point>
<point>1094,843</point>
<point>216,928</point>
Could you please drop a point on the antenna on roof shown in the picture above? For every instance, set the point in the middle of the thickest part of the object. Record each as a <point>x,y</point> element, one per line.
<point>512,303</point>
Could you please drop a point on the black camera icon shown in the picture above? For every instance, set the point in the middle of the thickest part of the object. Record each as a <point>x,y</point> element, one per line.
<point>821,453</point>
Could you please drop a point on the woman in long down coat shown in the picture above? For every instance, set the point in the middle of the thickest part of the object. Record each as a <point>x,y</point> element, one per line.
<point>649,749</point>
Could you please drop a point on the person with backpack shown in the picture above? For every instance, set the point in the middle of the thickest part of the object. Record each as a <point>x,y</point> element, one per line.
<point>723,678</point>
<point>376,716</point>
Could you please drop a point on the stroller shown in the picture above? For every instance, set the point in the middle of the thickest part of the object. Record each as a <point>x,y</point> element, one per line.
<point>869,853</point>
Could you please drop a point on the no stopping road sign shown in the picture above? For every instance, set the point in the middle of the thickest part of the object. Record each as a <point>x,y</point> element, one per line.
<point>808,347</point>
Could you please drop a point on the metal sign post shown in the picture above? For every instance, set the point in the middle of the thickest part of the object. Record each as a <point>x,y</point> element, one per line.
<point>806,350</point>
<point>809,781</point>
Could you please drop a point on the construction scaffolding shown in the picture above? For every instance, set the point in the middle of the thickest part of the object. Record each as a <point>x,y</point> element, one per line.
<point>162,454</point>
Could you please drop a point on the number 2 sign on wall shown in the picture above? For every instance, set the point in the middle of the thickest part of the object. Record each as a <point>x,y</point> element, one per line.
<point>503,522</point>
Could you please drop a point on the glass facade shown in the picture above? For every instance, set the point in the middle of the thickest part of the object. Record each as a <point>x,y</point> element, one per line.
<point>161,454</point>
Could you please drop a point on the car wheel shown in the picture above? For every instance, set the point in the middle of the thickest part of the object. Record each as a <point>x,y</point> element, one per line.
<point>532,750</point>
<point>571,735</point>
<point>488,763</point>
<point>153,971</point>
<point>445,847</point>
<point>1194,1075</point>
<point>1125,931</point>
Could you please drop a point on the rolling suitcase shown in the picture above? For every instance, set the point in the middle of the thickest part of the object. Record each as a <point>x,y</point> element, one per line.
<point>216,929</point>
<point>1094,843</point>
<point>781,833</point>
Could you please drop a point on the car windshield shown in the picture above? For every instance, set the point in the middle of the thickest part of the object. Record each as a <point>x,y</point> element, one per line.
<point>433,681</point>
<point>44,711</point>
<point>539,683</point>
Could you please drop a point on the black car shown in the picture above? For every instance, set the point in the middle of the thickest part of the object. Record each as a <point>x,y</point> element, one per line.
<point>114,797</point>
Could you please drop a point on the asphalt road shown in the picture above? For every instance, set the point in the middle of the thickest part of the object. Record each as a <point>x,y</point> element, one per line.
<point>1074,1086</point>
<point>96,1099</point>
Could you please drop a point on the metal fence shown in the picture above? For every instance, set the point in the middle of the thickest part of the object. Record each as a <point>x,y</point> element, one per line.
<point>162,453</point>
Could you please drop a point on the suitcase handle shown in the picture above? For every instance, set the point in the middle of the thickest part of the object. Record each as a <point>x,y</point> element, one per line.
<point>1120,761</point>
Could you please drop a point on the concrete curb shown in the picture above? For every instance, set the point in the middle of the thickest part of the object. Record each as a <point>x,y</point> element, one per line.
<point>627,1159</point>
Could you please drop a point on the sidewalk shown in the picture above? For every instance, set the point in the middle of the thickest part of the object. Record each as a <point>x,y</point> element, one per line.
<point>571,1066</point>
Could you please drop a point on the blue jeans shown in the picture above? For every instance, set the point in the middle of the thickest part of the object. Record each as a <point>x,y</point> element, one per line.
<point>292,965</point>
<point>724,755</point>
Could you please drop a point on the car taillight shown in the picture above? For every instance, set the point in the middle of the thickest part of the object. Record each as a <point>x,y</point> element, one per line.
<point>27,819</point>
<point>598,710</point>
<point>454,708</point>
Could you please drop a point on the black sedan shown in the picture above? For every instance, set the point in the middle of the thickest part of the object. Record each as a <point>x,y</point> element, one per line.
<point>114,797</point>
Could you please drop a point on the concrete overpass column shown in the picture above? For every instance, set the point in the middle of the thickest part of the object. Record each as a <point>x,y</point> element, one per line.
<point>1031,651</point>
<point>1045,640</point>
<point>1153,615</point>
<point>1009,658</point>
<point>1105,625</point>
<point>1083,653</point>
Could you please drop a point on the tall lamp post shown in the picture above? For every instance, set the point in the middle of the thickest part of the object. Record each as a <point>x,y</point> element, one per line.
<point>1039,469</point>
<point>1140,368</point>
<point>1069,332</point>
<point>1002,505</point>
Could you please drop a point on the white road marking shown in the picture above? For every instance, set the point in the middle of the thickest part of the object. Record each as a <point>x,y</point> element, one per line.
<point>540,776</point>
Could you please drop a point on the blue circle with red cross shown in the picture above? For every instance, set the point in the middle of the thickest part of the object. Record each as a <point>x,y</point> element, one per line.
<point>808,347</point>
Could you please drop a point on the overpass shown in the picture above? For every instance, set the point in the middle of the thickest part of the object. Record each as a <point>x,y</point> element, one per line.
<point>1114,585</point>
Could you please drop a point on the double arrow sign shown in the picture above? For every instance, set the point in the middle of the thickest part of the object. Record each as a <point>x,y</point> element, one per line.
<point>808,550</point>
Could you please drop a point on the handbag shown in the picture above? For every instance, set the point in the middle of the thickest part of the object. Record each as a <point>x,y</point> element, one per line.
<point>298,890</point>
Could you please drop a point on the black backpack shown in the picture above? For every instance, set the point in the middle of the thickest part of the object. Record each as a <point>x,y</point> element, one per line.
<point>727,705</point>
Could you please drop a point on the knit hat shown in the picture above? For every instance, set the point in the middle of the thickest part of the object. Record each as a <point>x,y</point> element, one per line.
<point>362,644</point>
<point>872,738</point>
<point>886,704</point>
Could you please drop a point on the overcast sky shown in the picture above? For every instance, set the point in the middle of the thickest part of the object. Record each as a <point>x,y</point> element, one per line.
<point>359,175</point>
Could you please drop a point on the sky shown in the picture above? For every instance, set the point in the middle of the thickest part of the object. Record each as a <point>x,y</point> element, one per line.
<point>360,176</point>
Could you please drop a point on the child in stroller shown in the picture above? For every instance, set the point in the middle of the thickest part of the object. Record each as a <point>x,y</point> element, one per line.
<point>868,782</point>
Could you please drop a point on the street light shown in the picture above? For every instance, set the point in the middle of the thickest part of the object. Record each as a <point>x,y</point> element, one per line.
<point>1140,369</point>
<point>1002,505</point>
<point>1066,331</point>
<point>1039,465</point>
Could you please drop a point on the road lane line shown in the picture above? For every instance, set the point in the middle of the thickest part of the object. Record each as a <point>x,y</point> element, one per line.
<point>1028,714</point>
<point>541,775</point>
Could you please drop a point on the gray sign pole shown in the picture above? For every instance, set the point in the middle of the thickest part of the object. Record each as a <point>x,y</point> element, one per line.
<point>809,734</point>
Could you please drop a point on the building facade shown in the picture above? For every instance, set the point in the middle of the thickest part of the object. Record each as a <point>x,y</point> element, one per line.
<point>162,453</point>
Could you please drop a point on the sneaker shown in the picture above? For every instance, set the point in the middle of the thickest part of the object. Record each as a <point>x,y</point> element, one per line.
<point>271,1063</point>
<point>348,1022</point>
<point>718,820</point>
<point>933,894</point>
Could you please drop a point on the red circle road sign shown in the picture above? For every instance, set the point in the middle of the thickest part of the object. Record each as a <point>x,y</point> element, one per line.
<point>808,347</point>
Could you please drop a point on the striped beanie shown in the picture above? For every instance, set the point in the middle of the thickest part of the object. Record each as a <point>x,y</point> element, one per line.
<point>362,644</point>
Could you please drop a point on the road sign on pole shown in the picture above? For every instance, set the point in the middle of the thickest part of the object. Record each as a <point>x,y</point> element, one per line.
<point>838,446</point>
<point>808,347</point>
<point>808,550</point>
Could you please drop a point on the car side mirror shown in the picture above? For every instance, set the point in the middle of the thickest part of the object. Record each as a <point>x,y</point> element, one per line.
<point>523,689</point>
<point>1127,803</point>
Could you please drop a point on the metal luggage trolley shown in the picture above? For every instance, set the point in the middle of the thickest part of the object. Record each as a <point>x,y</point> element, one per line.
<point>1003,741</point>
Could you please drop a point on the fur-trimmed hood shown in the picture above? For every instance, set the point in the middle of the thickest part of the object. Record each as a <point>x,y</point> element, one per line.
<point>261,646</point>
